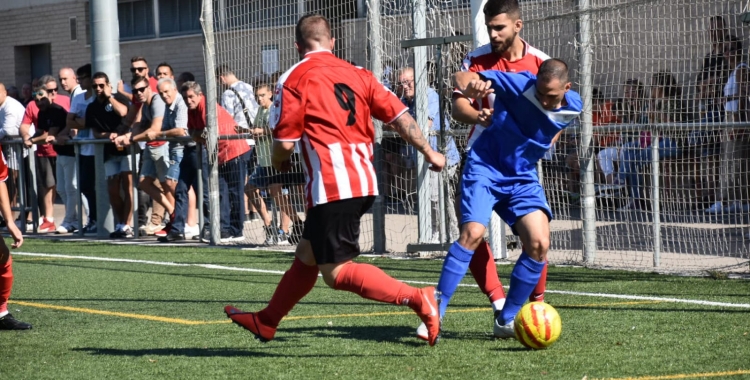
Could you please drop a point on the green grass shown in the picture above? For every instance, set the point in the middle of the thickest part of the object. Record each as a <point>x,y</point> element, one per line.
<point>602,337</point>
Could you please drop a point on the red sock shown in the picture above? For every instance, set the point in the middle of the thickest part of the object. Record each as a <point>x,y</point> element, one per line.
<point>482,266</point>
<point>541,286</point>
<point>6,282</point>
<point>294,285</point>
<point>372,283</point>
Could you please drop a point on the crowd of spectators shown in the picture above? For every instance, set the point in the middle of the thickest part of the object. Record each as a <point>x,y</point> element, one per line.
<point>160,120</point>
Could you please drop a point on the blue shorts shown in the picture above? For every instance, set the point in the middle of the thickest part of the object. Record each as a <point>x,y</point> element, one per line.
<point>175,158</point>
<point>480,196</point>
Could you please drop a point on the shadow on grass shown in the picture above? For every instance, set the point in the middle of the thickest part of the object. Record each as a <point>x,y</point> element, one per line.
<point>194,352</point>
<point>395,334</point>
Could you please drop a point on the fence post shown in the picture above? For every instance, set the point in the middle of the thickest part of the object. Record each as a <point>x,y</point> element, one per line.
<point>104,218</point>
<point>33,192</point>
<point>419,14</point>
<point>378,208</point>
<point>136,178</point>
<point>79,197</point>
<point>656,224</point>
<point>207,21</point>
<point>586,153</point>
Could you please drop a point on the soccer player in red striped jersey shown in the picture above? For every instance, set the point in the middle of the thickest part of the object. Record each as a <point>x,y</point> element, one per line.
<point>325,104</point>
<point>508,52</point>
<point>7,322</point>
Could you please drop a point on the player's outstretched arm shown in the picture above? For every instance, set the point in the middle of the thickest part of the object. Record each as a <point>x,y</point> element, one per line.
<point>471,85</point>
<point>407,128</point>
<point>7,213</point>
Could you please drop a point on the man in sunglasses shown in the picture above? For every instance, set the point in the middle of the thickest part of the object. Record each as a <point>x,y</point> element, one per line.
<point>138,67</point>
<point>45,153</point>
<point>105,116</point>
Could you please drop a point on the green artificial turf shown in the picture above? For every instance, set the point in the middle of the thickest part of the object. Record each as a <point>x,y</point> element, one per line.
<point>333,334</point>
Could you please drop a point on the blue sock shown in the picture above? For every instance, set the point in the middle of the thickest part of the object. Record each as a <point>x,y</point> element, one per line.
<point>523,279</point>
<point>454,269</point>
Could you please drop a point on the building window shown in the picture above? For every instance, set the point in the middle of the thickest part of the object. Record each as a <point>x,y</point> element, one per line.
<point>179,17</point>
<point>136,19</point>
<point>256,14</point>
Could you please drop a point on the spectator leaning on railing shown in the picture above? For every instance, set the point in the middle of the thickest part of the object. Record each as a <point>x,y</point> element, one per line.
<point>11,114</point>
<point>45,154</point>
<point>733,170</point>
<point>231,156</point>
<point>105,117</point>
<point>665,106</point>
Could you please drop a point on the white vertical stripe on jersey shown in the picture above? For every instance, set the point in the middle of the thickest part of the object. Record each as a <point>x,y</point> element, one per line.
<point>367,152</point>
<point>339,171</point>
<point>317,187</point>
<point>357,158</point>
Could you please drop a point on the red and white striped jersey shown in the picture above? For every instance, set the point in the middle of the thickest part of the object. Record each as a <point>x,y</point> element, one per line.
<point>482,59</point>
<point>326,104</point>
<point>3,167</point>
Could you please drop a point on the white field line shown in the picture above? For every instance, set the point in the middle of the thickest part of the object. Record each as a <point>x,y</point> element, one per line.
<point>238,269</point>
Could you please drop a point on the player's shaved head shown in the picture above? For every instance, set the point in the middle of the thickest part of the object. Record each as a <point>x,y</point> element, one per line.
<point>2,88</point>
<point>313,30</point>
<point>496,7</point>
<point>553,68</point>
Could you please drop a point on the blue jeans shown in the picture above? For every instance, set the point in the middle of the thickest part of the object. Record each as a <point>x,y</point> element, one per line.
<point>232,176</point>
<point>634,158</point>
<point>188,177</point>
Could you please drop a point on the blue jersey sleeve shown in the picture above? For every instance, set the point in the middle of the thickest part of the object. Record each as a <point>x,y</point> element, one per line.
<point>508,84</point>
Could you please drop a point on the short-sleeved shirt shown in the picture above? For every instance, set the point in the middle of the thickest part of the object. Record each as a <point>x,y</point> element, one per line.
<point>30,117</point>
<point>232,104</point>
<point>54,116</point>
<point>78,105</point>
<point>433,110</point>
<point>151,112</point>
<point>326,104</point>
<point>102,117</point>
<point>483,58</point>
<point>521,131</point>
<point>264,142</point>
<point>227,149</point>
<point>11,114</point>
<point>176,116</point>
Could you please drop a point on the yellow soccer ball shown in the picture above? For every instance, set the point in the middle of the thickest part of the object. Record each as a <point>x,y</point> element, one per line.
<point>537,325</point>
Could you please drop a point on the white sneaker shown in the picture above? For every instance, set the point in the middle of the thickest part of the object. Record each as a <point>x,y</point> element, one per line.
<point>191,231</point>
<point>422,331</point>
<point>715,208</point>
<point>503,331</point>
<point>61,229</point>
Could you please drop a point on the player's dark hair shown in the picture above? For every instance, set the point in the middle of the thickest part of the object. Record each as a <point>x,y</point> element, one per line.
<point>262,86</point>
<point>84,71</point>
<point>553,68</point>
<point>138,79</point>
<point>496,7</point>
<point>312,27</point>
<point>186,77</point>
<point>99,75</point>
<point>138,58</point>
<point>666,81</point>
<point>164,64</point>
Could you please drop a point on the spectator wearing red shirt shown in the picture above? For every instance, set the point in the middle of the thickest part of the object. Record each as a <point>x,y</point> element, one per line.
<point>232,155</point>
<point>325,104</point>
<point>45,153</point>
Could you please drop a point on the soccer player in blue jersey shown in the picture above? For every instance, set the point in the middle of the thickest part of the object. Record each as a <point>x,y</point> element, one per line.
<point>530,112</point>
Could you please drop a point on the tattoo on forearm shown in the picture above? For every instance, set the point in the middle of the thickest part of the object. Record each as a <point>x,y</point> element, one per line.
<point>409,131</point>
